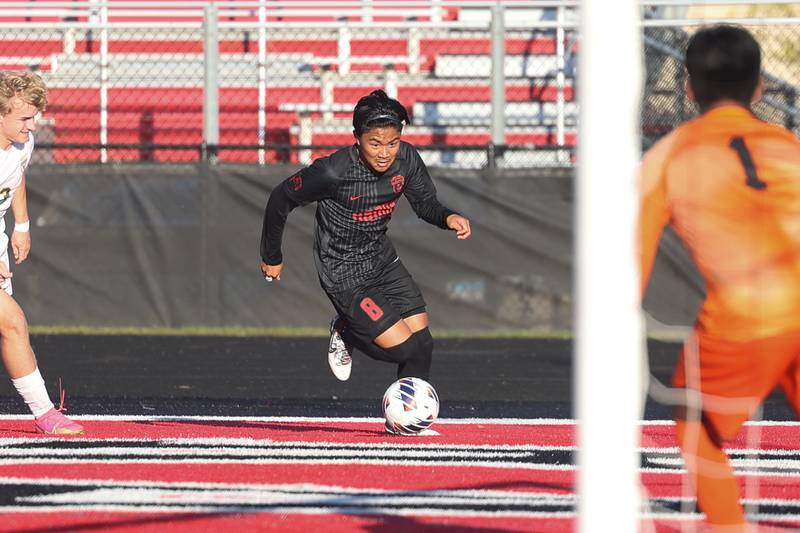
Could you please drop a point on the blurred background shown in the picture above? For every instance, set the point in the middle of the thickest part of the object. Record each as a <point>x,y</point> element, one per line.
<point>169,123</point>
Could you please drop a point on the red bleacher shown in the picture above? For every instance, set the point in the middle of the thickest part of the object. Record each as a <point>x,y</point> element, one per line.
<point>174,116</point>
<point>126,11</point>
<point>152,114</point>
<point>324,48</point>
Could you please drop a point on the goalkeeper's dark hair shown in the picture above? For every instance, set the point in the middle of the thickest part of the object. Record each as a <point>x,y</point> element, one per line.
<point>723,62</point>
<point>377,110</point>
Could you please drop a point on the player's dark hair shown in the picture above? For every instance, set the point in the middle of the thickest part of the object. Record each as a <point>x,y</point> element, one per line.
<point>377,110</point>
<point>724,62</point>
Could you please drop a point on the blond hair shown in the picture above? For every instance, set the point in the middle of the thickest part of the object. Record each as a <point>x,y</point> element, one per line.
<point>27,86</point>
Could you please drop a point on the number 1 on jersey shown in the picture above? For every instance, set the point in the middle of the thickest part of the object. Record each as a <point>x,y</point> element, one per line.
<point>753,181</point>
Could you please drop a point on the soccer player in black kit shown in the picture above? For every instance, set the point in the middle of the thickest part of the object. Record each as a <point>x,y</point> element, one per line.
<point>380,308</point>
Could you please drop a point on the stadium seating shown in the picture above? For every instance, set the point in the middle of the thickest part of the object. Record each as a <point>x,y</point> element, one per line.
<point>479,113</point>
<point>311,77</point>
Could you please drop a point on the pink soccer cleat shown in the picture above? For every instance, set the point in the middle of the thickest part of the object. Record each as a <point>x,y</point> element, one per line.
<point>53,422</point>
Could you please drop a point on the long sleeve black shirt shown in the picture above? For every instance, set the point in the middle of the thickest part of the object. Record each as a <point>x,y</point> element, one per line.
<point>354,206</point>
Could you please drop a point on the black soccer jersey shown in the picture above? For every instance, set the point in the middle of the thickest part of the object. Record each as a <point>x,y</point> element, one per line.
<point>354,205</point>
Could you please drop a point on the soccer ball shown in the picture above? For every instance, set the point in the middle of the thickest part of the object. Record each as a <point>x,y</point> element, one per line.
<point>410,405</point>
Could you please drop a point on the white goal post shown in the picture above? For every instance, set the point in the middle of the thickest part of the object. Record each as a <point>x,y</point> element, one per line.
<point>608,326</point>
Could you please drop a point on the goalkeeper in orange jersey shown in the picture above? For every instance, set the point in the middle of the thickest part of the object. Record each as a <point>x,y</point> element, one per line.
<point>729,185</point>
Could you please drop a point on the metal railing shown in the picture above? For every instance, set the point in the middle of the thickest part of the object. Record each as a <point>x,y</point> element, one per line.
<point>292,70</point>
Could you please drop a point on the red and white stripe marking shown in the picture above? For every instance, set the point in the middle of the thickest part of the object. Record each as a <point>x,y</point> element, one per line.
<point>137,473</point>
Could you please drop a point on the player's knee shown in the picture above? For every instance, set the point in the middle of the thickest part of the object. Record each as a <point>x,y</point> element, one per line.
<point>405,350</point>
<point>415,353</point>
<point>13,323</point>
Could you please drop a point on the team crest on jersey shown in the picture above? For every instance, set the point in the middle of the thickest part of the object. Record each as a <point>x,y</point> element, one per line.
<point>398,182</point>
<point>5,192</point>
<point>297,182</point>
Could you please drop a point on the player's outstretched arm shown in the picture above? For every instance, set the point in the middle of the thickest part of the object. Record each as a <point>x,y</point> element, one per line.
<point>310,184</point>
<point>275,214</point>
<point>421,194</point>
<point>460,225</point>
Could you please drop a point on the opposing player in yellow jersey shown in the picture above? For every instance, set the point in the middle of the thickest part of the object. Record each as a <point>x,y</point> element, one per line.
<point>729,184</point>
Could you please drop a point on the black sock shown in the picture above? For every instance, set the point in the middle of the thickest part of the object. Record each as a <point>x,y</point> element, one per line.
<point>418,365</point>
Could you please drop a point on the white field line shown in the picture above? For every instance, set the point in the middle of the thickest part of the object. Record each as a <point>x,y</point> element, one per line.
<point>249,442</point>
<point>359,420</point>
<point>343,461</point>
<point>354,420</point>
<point>291,510</point>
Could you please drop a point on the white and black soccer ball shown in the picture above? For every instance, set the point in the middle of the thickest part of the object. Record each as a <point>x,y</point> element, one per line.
<point>410,406</point>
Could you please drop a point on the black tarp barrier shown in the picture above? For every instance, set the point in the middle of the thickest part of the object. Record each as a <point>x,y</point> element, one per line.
<point>177,245</point>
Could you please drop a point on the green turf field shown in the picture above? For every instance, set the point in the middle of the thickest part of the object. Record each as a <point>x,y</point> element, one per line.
<point>235,331</point>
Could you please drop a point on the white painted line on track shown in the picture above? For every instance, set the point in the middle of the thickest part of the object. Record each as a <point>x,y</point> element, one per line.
<point>355,420</point>
<point>360,420</point>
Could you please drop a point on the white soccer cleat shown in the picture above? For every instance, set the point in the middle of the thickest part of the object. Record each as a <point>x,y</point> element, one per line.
<point>339,358</point>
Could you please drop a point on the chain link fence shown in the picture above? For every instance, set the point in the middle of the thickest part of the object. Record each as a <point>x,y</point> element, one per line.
<point>128,87</point>
<point>128,84</point>
<point>665,104</point>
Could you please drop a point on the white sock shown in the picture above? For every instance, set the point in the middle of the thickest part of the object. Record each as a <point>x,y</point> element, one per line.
<point>33,391</point>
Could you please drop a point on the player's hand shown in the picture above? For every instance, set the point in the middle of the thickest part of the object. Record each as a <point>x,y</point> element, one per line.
<point>271,272</point>
<point>21,245</point>
<point>460,225</point>
<point>5,275</point>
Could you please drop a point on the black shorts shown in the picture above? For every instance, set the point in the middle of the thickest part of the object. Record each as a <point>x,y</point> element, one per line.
<point>375,307</point>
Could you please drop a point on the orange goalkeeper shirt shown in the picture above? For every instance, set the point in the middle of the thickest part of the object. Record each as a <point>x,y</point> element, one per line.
<point>729,184</point>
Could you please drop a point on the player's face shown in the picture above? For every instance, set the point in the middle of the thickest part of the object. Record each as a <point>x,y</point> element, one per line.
<point>379,147</point>
<point>17,125</point>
